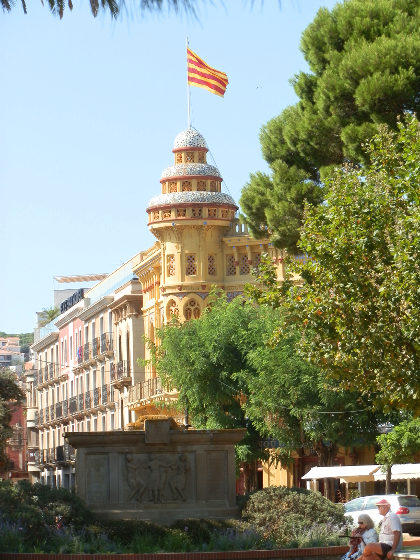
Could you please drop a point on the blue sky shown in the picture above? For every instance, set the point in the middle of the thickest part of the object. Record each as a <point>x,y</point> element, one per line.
<point>89,109</point>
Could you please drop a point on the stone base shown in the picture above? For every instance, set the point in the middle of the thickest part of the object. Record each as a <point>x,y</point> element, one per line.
<point>168,515</point>
<point>157,474</point>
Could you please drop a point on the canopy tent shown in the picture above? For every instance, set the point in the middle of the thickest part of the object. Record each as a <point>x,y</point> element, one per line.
<point>349,473</point>
<point>400,472</point>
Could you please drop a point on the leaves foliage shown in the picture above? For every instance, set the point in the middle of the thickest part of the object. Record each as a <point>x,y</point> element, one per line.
<point>359,302</point>
<point>364,60</point>
<point>285,514</point>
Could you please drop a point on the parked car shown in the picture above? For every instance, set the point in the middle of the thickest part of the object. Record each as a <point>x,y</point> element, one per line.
<point>405,506</point>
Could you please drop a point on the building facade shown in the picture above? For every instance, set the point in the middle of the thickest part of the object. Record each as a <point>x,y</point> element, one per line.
<point>92,364</point>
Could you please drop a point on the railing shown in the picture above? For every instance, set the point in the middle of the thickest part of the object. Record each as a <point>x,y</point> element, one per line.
<point>36,417</point>
<point>52,412</point>
<point>65,408</point>
<point>59,410</point>
<point>96,397</point>
<point>50,371</point>
<point>88,399</point>
<point>69,452</point>
<point>145,389</point>
<point>86,351</point>
<point>47,414</point>
<point>106,343</point>
<point>79,354</point>
<point>40,376</point>
<point>32,456</point>
<point>96,346</point>
<point>72,405</point>
<point>104,394</point>
<point>41,416</point>
<point>80,402</point>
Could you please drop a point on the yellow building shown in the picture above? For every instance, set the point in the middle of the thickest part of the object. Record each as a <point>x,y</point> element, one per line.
<point>200,244</point>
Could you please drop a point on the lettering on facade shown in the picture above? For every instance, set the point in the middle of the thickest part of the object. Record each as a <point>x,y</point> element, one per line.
<point>72,300</point>
<point>157,478</point>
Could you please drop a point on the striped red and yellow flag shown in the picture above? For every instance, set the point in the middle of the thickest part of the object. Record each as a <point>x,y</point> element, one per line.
<point>202,75</point>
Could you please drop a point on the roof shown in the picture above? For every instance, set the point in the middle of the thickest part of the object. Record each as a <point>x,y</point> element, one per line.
<point>80,278</point>
<point>189,138</point>
<point>348,473</point>
<point>400,472</point>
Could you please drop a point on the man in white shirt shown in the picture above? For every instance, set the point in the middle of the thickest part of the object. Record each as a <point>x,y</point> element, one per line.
<point>390,536</point>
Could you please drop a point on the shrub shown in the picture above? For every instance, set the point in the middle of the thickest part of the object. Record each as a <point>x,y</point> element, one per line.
<point>200,531</point>
<point>294,516</point>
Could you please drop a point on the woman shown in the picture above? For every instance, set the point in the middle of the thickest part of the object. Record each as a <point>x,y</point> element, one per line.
<point>364,534</point>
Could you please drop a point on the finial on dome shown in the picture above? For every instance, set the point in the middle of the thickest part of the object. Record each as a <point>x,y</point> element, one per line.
<point>189,138</point>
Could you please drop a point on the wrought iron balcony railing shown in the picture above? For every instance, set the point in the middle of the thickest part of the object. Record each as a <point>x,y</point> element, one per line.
<point>86,352</point>
<point>96,347</point>
<point>106,343</point>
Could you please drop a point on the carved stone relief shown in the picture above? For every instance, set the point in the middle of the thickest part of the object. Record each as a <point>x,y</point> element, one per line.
<point>157,478</point>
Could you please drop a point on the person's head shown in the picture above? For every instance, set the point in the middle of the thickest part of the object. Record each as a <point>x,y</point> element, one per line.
<point>365,521</point>
<point>383,506</point>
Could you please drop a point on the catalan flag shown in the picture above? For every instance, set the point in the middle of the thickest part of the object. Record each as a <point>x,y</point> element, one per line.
<point>202,75</point>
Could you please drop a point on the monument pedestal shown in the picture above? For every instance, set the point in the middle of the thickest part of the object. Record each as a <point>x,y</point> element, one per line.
<point>157,474</point>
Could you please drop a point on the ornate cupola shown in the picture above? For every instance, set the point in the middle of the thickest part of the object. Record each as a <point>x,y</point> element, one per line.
<point>191,188</point>
<point>190,218</point>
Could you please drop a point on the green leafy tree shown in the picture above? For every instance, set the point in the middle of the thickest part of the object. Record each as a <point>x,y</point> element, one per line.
<point>400,445</point>
<point>229,376</point>
<point>10,396</point>
<point>364,61</point>
<point>47,315</point>
<point>113,7</point>
<point>359,300</point>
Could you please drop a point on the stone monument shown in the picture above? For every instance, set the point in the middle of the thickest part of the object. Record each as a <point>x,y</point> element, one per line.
<point>161,473</point>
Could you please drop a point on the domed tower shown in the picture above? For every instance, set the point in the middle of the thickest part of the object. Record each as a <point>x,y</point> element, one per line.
<point>190,218</point>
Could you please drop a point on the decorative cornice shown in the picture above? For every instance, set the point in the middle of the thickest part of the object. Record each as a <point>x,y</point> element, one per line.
<point>46,341</point>
<point>96,308</point>
<point>73,313</point>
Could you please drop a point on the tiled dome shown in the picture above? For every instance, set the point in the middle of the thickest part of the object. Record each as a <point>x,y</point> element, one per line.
<point>190,169</point>
<point>188,197</point>
<point>189,138</point>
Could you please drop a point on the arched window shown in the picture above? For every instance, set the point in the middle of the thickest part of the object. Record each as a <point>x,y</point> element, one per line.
<point>172,310</point>
<point>192,310</point>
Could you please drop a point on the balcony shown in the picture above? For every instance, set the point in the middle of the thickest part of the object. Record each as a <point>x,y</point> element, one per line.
<point>147,390</point>
<point>32,456</point>
<point>47,414</point>
<point>96,347</point>
<point>51,371</point>
<point>88,399</point>
<point>80,355</point>
<point>120,374</point>
<point>106,346</point>
<point>86,352</point>
<point>72,405</point>
<point>52,412</point>
<point>59,410</point>
<point>69,452</point>
<point>41,417</point>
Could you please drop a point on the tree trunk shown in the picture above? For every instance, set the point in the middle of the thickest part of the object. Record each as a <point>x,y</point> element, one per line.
<point>250,476</point>
<point>388,480</point>
<point>326,455</point>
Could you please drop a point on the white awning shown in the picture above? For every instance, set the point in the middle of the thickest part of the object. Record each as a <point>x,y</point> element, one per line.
<point>400,472</point>
<point>349,473</point>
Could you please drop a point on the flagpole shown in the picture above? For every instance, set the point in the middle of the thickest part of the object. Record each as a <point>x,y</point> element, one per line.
<point>188,94</point>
